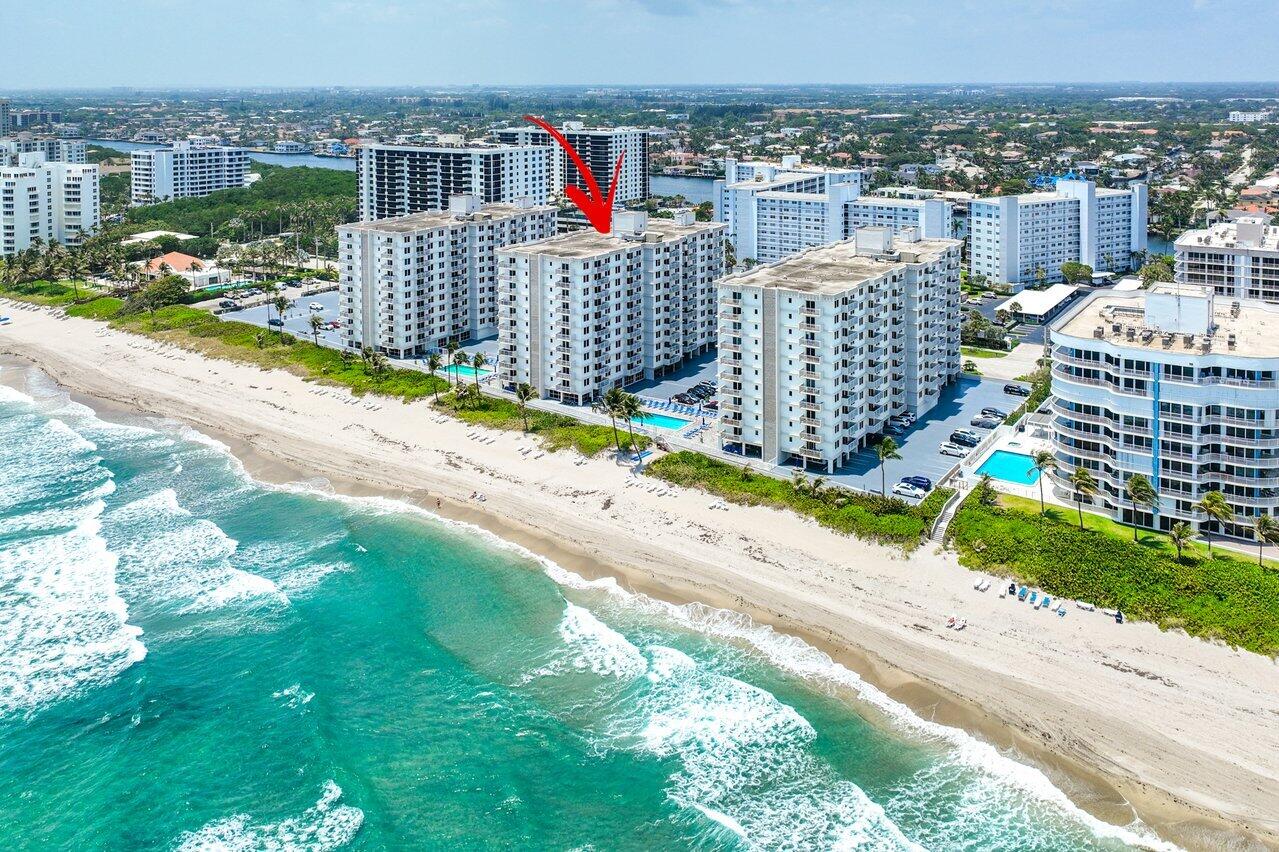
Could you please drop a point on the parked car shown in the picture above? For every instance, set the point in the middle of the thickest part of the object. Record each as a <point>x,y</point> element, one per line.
<point>1017,390</point>
<point>965,439</point>
<point>919,482</point>
<point>684,399</point>
<point>907,418</point>
<point>994,412</point>
<point>229,304</point>
<point>275,322</point>
<point>894,429</point>
<point>951,449</point>
<point>982,422</point>
<point>905,489</point>
<point>316,306</point>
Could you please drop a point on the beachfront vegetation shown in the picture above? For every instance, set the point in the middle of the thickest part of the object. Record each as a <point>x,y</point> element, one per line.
<point>1213,596</point>
<point>556,431</point>
<point>887,520</point>
<point>979,352</point>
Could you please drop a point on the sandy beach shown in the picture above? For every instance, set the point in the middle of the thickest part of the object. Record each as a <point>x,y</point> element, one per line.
<point>1125,719</point>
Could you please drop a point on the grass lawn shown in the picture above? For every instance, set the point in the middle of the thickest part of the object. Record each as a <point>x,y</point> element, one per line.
<point>886,520</point>
<point>978,352</point>
<point>1227,597</point>
<point>1150,539</point>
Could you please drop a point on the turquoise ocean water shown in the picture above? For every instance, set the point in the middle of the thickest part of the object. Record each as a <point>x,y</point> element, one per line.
<point>193,660</point>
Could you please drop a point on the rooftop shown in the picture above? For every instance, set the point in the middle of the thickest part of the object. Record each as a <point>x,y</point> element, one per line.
<point>589,242</point>
<point>837,268</point>
<point>1253,234</point>
<point>430,219</point>
<point>1038,302</point>
<point>1240,328</point>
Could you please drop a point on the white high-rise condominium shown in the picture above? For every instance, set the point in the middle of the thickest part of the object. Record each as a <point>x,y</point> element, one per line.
<point>599,148</point>
<point>413,283</point>
<point>46,201</point>
<point>1023,239</point>
<point>774,210</point>
<point>186,170</point>
<point>53,149</point>
<point>584,312</point>
<point>395,180</point>
<point>1238,259</point>
<point>817,351</point>
<point>1177,385</point>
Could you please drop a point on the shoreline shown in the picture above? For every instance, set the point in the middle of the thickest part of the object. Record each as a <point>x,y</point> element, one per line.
<point>1037,726</point>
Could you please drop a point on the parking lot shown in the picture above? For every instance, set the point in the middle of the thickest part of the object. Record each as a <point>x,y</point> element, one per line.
<point>959,404</point>
<point>297,319</point>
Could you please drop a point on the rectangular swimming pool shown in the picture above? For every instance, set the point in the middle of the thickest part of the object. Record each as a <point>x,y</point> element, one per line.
<point>1010,467</point>
<point>662,421</point>
<point>455,370</point>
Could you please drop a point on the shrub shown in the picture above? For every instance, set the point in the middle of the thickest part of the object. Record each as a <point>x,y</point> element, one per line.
<point>870,516</point>
<point>1224,597</point>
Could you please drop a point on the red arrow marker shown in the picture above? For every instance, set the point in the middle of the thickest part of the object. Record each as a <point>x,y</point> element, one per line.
<point>598,211</point>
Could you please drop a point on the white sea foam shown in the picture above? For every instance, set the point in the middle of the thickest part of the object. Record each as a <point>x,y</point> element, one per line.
<point>176,559</point>
<point>327,825</point>
<point>63,625</point>
<point>598,647</point>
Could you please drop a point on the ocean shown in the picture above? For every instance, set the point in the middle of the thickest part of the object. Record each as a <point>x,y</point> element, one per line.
<point>191,659</point>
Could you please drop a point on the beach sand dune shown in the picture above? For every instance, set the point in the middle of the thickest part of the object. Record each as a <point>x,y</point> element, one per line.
<point>1123,717</point>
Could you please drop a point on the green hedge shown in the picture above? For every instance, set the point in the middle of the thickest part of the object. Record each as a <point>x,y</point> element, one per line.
<point>869,516</point>
<point>1223,597</point>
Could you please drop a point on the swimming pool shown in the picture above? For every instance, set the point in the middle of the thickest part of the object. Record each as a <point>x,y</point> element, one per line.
<point>1010,467</point>
<point>455,370</point>
<point>662,421</point>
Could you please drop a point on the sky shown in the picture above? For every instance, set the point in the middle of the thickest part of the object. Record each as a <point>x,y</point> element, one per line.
<point>169,43</point>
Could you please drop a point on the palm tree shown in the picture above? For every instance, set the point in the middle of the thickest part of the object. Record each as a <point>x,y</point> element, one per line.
<point>1141,493</point>
<point>1085,486</point>
<point>433,363</point>
<point>886,450</point>
<point>366,357</point>
<point>612,401</point>
<point>379,363</point>
<point>523,393</point>
<point>1181,535</point>
<point>317,322</point>
<point>747,470</point>
<point>632,410</point>
<point>1044,461</point>
<point>986,490</point>
<point>451,348</point>
<point>1266,529</point>
<point>477,364</point>
<point>815,487</point>
<point>281,304</point>
<point>1214,505</point>
<point>460,360</point>
<point>799,481</point>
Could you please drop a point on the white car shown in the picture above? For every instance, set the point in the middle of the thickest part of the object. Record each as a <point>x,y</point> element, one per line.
<point>949,449</point>
<point>905,489</point>
<point>316,306</point>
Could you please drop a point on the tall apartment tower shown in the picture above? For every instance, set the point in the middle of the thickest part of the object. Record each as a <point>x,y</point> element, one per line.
<point>46,201</point>
<point>396,180</point>
<point>818,351</point>
<point>1016,237</point>
<point>53,149</point>
<point>5,117</point>
<point>186,170</point>
<point>1178,385</point>
<point>411,284</point>
<point>599,148</point>
<point>1239,260</point>
<point>584,312</point>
